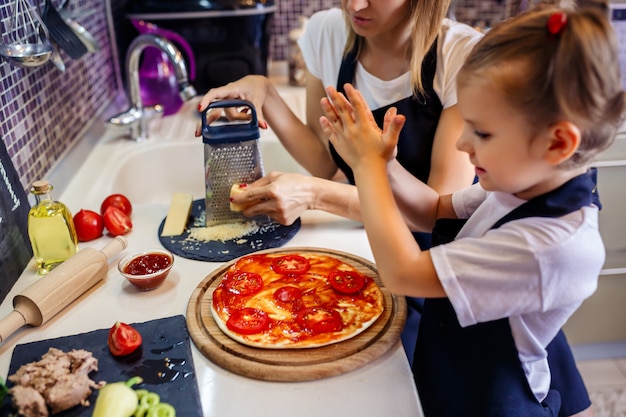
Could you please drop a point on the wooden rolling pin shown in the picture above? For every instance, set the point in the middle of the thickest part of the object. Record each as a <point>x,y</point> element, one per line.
<point>60,287</point>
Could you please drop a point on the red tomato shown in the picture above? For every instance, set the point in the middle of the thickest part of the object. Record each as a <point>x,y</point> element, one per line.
<point>123,339</point>
<point>288,294</point>
<point>244,283</point>
<point>248,321</point>
<point>319,320</point>
<point>89,225</point>
<point>346,282</point>
<point>116,222</point>
<point>117,200</point>
<point>291,265</point>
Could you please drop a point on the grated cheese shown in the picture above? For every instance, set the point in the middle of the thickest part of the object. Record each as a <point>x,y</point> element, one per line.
<point>223,232</point>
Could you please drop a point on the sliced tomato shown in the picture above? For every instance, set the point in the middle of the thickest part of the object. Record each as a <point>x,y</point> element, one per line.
<point>123,339</point>
<point>116,222</point>
<point>248,321</point>
<point>319,320</point>
<point>244,283</point>
<point>288,294</point>
<point>346,282</point>
<point>291,265</point>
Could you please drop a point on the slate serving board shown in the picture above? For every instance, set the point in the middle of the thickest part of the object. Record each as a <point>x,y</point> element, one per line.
<point>292,365</point>
<point>164,361</point>
<point>273,235</point>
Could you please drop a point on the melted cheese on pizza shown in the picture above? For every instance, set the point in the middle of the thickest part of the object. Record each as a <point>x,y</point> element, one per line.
<point>302,306</point>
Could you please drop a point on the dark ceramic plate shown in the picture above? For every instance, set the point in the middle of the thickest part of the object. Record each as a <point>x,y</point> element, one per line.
<point>270,236</point>
<point>164,361</point>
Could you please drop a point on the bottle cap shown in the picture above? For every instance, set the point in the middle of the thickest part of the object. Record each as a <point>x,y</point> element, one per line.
<point>41,186</point>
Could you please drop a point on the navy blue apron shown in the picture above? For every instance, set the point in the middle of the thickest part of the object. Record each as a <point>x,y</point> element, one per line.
<point>422,113</point>
<point>414,152</point>
<point>475,371</point>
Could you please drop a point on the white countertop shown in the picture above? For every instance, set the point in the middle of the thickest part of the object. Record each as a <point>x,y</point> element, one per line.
<point>382,387</point>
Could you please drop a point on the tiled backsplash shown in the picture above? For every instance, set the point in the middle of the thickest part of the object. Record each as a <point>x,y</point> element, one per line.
<point>286,19</point>
<point>474,12</point>
<point>43,110</point>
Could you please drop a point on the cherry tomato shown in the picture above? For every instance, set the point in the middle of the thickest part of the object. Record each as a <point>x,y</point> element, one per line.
<point>244,283</point>
<point>123,339</point>
<point>116,222</point>
<point>319,320</point>
<point>346,282</point>
<point>89,225</point>
<point>291,265</point>
<point>117,200</point>
<point>248,321</point>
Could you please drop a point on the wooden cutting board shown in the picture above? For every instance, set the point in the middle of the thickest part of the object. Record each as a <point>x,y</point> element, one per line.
<point>287,365</point>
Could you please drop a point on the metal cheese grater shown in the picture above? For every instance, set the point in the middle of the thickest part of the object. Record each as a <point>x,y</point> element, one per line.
<point>231,156</point>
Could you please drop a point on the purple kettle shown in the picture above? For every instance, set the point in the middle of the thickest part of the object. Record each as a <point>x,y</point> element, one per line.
<point>157,81</point>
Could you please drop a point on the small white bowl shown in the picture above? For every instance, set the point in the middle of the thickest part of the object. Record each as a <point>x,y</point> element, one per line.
<point>146,269</point>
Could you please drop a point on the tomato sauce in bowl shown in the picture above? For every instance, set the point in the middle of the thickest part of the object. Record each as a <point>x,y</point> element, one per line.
<point>147,269</point>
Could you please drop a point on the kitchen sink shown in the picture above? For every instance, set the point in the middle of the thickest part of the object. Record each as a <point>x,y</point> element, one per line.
<point>151,172</point>
<point>171,160</point>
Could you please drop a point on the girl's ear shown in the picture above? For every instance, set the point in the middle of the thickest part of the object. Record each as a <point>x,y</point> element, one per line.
<point>564,139</point>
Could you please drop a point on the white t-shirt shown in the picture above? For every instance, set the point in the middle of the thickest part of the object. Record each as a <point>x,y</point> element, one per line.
<point>535,271</point>
<point>322,48</point>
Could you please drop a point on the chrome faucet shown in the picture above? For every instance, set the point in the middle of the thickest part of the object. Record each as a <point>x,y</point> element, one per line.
<point>137,117</point>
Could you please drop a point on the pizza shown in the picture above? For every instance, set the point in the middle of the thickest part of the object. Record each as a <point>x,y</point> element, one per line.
<point>294,300</point>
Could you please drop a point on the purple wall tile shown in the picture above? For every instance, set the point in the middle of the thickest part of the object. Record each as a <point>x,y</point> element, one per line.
<point>43,110</point>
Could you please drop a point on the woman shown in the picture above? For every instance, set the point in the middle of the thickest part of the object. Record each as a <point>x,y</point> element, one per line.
<point>400,53</point>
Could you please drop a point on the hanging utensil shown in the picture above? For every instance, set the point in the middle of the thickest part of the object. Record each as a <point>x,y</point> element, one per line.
<point>61,33</point>
<point>80,31</point>
<point>29,43</point>
<point>85,37</point>
<point>56,59</point>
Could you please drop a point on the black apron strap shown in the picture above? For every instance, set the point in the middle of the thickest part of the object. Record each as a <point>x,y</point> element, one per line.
<point>423,112</point>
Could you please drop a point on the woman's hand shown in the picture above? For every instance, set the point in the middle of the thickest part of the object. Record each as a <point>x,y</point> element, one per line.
<point>252,88</point>
<point>351,128</point>
<point>282,196</point>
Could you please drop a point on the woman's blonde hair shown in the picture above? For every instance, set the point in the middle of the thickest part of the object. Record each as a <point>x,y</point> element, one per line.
<point>426,17</point>
<point>570,75</point>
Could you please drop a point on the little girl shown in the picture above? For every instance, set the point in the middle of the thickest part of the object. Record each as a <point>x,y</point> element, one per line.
<point>541,96</point>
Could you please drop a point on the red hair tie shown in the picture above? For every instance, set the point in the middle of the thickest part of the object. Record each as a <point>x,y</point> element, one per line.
<point>556,22</point>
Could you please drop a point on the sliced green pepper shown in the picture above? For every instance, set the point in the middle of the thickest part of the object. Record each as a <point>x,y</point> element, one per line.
<point>146,400</point>
<point>161,410</point>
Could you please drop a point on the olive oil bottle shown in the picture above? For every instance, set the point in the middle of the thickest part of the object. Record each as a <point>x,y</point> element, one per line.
<point>50,229</point>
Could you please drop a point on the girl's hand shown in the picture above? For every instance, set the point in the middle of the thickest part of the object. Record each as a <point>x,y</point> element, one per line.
<point>251,87</point>
<point>350,126</point>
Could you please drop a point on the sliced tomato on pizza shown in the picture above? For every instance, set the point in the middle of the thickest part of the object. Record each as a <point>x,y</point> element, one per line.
<point>291,264</point>
<point>248,321</point>
<point>302,300</point>
<point>346,282</point>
